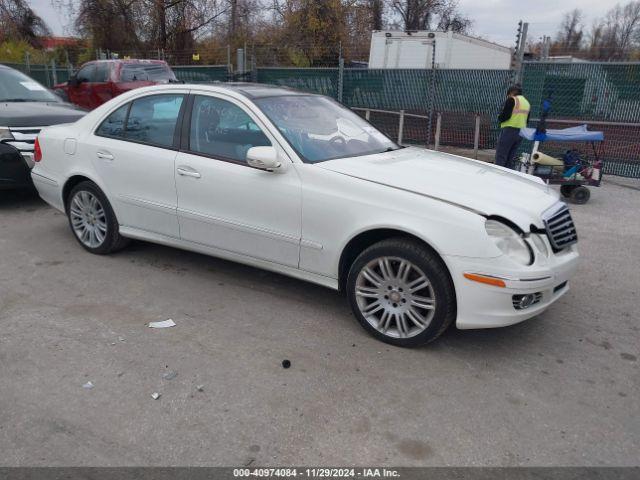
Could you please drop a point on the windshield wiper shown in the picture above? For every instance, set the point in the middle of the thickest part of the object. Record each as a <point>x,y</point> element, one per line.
<point>18,100</point>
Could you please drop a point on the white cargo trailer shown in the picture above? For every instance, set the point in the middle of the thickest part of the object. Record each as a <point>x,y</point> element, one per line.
<point>396,49</point>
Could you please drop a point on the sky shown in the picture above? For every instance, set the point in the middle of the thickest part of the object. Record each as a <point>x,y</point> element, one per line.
<point>495,20</point>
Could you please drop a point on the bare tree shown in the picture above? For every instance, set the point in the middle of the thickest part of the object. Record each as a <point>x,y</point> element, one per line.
<point>627,20</point>
<point>377,8</point>
<point>111,24</point>
<point>134,25</point>
<point>451,19</point>
<point>425,14</point>
<point>570,35</point>
<point>617,35</point>
<point>19,22</point>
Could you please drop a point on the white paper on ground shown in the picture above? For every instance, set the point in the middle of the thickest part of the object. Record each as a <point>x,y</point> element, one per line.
<point>162,324</point>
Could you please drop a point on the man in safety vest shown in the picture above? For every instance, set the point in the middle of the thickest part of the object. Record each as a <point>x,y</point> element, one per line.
<point>514,116</point>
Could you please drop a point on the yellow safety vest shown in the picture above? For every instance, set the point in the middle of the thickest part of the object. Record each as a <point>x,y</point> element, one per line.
<point>519,115</point>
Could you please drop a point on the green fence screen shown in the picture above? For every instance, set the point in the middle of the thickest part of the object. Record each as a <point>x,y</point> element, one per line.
<point>44,74</point>
<point>316,80</point>
<point>201,74</point>
<point>402,89</point>
<point>605,96</point>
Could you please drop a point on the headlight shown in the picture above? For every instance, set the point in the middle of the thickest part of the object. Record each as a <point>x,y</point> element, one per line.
<point>5,134</point>
<point>540,245</point>
<point>509,242</point>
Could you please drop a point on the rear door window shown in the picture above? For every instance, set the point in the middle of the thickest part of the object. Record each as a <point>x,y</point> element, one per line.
<point>113,126</point>
<point>155,72</point>
<point>153,119</point>
<point>101,72</point>
<point>86,73</point>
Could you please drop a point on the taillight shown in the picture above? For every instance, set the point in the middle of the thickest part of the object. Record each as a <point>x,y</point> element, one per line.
<point>37,151</point>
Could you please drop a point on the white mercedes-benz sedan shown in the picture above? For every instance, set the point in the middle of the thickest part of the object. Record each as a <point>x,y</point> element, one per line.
<point>298,184</point>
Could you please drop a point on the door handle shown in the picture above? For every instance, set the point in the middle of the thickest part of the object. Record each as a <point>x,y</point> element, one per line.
<point>104,155</point>
<point>188,172</point>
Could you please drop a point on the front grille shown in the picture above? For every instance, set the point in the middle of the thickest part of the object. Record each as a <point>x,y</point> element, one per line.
<point>560,228</point>
<point>24,138</point>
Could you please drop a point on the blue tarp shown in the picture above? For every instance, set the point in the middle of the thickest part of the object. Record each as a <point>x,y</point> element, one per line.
<point>573,134</point>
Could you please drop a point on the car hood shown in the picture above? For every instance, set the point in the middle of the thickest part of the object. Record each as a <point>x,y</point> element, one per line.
<point>481,187</point>
<point>37,114</point>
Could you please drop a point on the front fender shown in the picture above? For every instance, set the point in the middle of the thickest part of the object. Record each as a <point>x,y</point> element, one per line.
<point>337,208</point>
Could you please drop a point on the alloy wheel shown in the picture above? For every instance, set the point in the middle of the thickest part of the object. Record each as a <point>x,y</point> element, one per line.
<point>395,297</point>
<point>88,219</point>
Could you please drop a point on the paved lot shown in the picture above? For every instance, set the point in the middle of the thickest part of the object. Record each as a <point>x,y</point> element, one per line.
<point>562,389</point>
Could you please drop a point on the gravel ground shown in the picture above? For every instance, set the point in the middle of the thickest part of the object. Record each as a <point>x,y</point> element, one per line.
<point>561,389</point>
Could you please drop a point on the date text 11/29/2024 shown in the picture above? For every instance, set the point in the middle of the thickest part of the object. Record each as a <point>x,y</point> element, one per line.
<point>316,472</point>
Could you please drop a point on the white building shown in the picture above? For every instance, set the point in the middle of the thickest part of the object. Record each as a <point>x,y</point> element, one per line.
<point>397,49</point>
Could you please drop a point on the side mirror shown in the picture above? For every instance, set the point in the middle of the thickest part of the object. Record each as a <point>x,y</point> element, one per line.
<point>73,81</point>
<point>264,158</point>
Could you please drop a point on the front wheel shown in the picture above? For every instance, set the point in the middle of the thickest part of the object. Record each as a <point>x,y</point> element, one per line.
<point>401,292</point>
<point>92,220</point>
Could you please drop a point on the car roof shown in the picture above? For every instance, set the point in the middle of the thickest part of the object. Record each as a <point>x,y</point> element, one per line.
<point>259,90</point>
<point>130,60</point>
<point>250,91</point>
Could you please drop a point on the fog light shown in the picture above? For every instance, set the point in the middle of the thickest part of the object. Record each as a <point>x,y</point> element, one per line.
<point>522,302</point>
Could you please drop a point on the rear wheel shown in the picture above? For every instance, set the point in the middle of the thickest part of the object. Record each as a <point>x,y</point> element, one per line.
<point>580,195</point>
<point>92,220</point>
<point>566,190</point>
<point>401,292</point>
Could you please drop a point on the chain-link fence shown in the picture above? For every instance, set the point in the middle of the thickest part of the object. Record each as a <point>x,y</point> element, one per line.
<point>605,96</point>
<point>202,74</point>
<point>455,109</point>
<point>318,80</point>
<point>47,74</point>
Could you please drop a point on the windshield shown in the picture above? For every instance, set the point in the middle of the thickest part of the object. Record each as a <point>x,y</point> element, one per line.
<point>320,129</point>
<point>17,87</point>
<point>155,72</point>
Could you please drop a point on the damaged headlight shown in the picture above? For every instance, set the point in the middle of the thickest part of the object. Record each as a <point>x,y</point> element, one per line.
<point>509,242</point>
<point>540,245</point>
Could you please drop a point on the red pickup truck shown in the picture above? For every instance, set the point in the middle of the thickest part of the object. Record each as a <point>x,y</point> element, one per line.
<point>99,81</point>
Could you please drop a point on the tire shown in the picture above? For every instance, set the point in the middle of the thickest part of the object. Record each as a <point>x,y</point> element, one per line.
<point>376,277</point>
<point>92,221</point>
<point>580,195</point>
<point>566,190</point>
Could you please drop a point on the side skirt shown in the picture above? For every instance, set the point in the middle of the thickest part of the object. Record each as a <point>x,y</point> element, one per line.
<point>138,234</point>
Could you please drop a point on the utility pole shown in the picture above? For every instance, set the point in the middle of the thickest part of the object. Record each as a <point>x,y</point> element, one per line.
<point>514,56</point>
<point>521,42</point>
<point>546,46</point>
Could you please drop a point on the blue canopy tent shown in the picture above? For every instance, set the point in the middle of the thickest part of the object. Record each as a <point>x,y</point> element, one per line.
<point>575,177</point>
<point>573,134</point>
